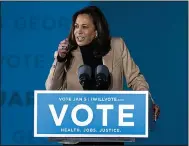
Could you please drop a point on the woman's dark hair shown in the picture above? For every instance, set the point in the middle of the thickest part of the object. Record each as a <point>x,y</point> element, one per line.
<point>102,41</point>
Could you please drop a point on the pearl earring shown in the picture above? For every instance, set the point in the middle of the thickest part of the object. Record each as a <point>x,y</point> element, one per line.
<point>96,34</point>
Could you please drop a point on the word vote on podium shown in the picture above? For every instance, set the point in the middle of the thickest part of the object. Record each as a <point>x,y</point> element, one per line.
<point>90,113</point>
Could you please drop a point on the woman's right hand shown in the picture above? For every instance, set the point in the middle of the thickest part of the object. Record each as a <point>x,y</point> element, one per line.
<point>63,48</point>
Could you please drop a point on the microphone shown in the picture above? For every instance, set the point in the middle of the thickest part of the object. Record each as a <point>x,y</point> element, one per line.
<point>102,77</point>
<point>84,75</point>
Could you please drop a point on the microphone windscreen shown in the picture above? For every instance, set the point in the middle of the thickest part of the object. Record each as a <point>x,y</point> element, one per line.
<point>84,69</point>
<point>102,69</point>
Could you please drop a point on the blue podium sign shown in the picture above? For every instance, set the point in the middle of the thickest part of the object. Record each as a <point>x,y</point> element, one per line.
<point>91,114</point>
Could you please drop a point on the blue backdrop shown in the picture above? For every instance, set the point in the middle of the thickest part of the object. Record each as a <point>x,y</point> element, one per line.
<point>156,34</point>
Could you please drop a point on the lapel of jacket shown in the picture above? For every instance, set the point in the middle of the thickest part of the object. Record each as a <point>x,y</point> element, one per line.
<point>73,71</point>
<point>108,60</point>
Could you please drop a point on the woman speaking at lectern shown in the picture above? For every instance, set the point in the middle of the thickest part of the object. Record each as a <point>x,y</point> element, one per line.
<point>90,43</point>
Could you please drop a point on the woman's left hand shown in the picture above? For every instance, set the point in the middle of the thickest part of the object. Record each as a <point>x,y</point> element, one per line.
<point>156,112</point>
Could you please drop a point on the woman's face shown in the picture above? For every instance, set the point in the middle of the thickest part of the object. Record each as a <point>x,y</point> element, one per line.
<point>84,30</point>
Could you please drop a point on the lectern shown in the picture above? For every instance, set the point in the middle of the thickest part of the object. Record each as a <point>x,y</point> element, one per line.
<point>89,116</point>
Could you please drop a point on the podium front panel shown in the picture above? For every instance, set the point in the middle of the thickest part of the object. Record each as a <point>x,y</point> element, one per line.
<point>90,115</point>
